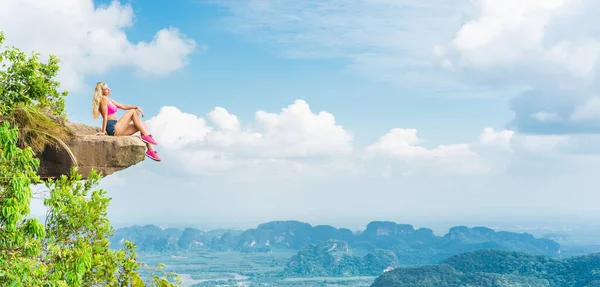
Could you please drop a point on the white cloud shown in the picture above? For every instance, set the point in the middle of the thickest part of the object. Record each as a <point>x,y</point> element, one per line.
<point>224,120</point>
<point>546,117</point>
<point>90,39</point>
<point>298,144</point>
<point>578,59</point>
<point>498,146</point>
<point>294,132</point>
<point>501,139</point>
<point>402,144</point>
<point>299,141</point>
<point>547,49</point>
<point>275,139</point>
<point>505,32</point>
<point>176,129</point>
<point>297,131</point>
<point>526,34</point>
<point>543,145</point>
<point>590,110</point>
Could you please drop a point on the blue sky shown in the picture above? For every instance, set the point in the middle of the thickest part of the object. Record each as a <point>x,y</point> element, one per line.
<point>336,111</point>
<point>245,75</point>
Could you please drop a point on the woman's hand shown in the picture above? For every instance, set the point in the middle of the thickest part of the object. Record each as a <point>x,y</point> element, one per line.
<point>139,110</point>
<point>101,133</point>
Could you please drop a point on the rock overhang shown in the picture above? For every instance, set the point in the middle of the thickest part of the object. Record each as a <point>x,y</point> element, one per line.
<point>105,154</point>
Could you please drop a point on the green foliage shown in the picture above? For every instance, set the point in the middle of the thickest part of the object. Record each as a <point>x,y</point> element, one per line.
<point>498,268</point>
<point>334,258</point>
<point>78,246</point>
<point>29,97</point>
<point>25,80</point>
<point>71,248</point>
<point>445,275</point>
<point>20,237</point>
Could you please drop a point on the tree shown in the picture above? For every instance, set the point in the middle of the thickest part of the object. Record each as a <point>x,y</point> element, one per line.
<point>29,98</point>
<point>71,246</point>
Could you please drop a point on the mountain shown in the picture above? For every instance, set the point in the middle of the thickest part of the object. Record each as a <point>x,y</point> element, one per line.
<point>411,246</point>
<point>290,234</point>
<point>421,246</point>
<point>498,268</point>
<point>148,238</point>
<point>154,238</point>
<point>334,258</point>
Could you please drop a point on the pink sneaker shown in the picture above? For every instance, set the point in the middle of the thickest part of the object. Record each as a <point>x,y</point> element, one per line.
<point>153,155</point>
<point>149,139</point>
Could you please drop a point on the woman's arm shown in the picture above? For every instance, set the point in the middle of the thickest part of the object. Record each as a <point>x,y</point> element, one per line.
<point>104,112</point>
<point>129,107</point>
<point>125,106</point>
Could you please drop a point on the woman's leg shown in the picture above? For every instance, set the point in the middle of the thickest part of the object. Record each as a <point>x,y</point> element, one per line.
<point>124,127</point>
<point>124,121</point>
<point>132,129</point>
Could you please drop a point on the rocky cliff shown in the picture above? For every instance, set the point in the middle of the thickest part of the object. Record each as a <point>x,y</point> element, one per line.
<point>105,154</point>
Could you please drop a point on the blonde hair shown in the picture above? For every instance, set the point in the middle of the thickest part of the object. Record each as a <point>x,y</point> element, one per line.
<point>97,99</point>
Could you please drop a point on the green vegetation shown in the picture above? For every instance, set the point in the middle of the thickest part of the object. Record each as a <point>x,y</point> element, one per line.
<point>207,268</point>
<point>498,268</point>
<point>71,246</point>
<point>334,258</point>
<point>29,98</point>
<point>478,268</point>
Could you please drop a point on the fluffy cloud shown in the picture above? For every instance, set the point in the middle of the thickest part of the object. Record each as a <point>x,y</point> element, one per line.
<point>402,144</point>
<point>90,39</point>
<point>294,132</point>
<point>299,144</point>
<point>500,140</point>
<point>176,129</point>
<point>546,49</point>
<point>401,153</point>
<point>590,110</point>
<point>504,33</point>
<point>274,140</point>
<point>530,34</point>
<point>299,141</point>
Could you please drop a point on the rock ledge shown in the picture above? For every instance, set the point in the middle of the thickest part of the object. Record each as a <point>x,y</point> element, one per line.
<point>105,154</point>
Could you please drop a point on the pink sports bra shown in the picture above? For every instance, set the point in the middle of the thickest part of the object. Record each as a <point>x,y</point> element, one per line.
<point>112,108</point>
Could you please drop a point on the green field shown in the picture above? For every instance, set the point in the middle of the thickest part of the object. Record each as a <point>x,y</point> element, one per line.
<point>204,268</point>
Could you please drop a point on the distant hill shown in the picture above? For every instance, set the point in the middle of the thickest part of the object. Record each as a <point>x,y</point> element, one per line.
<point>498,268</point>
<point>411,246</point>
<point>154,238</point>
<point>334,258</point>
<point>149,237</point>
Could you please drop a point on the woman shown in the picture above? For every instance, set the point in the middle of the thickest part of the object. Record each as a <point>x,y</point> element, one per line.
<point>113,127</point>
